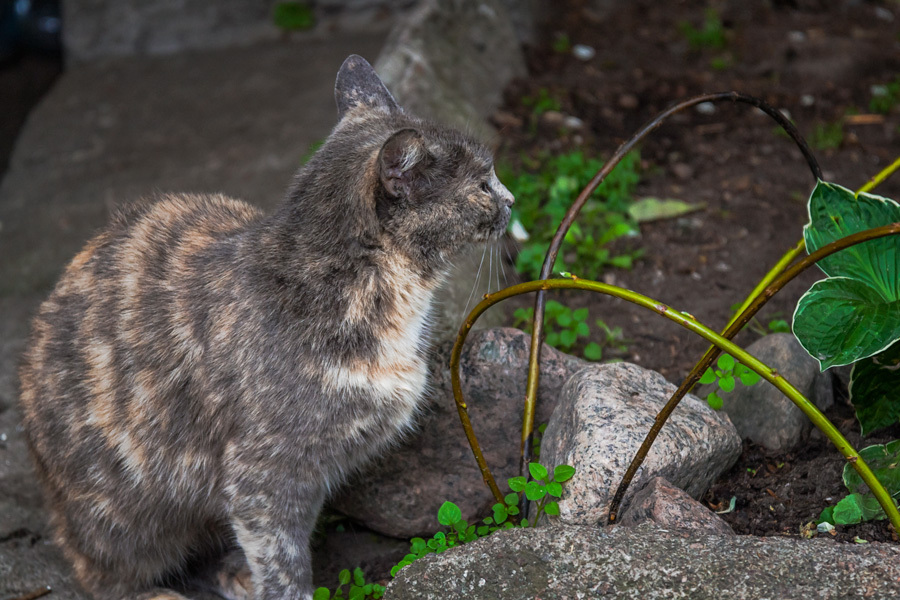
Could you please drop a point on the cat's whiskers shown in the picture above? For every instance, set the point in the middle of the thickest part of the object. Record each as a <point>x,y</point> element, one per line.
<point>476,282</point>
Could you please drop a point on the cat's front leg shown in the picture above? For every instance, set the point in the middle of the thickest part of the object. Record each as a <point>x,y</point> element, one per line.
<point>273,512</point>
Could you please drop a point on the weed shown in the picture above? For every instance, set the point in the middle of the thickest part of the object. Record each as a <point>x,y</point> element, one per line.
<point>359,589</point>
<point>710,35</point>
<point>293,16</point>
<point>885,97</point>
<point>543,198</point>
<point>561,43</point>
<point>565,327</point>
<point>459,531</point>
<point>544,102</point>
<point>728,373</point>
<point>827,136</point>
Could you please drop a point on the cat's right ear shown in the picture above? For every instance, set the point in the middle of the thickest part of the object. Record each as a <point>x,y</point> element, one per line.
<point>401,160</point>
<point>358,84</point>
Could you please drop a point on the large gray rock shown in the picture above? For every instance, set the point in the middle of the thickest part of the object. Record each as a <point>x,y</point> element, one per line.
<point>764,415</point>
<point>643,562</point>
<point>451,60</point>
<point>400,495</point>
<point>603,415</point>
<point>671,508</point>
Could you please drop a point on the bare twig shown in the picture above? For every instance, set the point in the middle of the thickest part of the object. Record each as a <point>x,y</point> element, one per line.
<point>572,213</point>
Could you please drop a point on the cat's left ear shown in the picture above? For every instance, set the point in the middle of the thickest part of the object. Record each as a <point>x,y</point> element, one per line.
<point>401,160</point>
<point>358,84</point>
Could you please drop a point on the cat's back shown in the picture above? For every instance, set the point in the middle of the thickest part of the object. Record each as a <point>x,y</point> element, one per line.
<point>91,375</point>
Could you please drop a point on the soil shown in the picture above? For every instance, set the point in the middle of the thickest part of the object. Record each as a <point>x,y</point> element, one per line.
<point>817,60</point>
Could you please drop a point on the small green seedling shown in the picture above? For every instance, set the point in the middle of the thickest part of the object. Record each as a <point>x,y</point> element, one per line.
<point>885,97</point>
<point>293,16</point>
<point>565,327</point>
<point>543,488</point>
<point>502,514</point>
<point>727,374</point>
<point>359,589</point>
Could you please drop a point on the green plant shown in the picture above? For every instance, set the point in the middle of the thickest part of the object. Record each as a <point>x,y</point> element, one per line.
<point>885,97</point>
<point>728,373</point>
<point>827,136</point>
<point>359,588</point>
<point>561,43</point>
<point>710,34</point>
<point>544,102</point>
<point>543,488</point>
<point>860,505</point>
<point>565,327</point>
<point>293,16</point>
<point>543,197</point>
<point>503,514</point>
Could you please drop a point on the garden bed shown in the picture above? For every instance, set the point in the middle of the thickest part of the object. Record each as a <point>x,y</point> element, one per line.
<point>817,60</point>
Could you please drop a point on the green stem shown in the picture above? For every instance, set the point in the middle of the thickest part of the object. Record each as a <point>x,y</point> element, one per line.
<point>555,244</point>
<point>881,176</point>
<point>730,331</point>
<point>688,322</point>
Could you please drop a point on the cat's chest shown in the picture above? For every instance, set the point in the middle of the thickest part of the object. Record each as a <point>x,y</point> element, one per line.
<point>394,376</point>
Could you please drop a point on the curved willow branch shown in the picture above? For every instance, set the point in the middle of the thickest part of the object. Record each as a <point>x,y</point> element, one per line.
<point>688,322</point>
<point>572,213</point>
<point>757,302</point>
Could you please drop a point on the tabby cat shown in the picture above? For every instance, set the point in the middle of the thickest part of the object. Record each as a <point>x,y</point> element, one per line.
<point>202,376</point>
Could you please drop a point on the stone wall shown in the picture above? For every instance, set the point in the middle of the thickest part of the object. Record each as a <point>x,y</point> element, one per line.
<point>94,29</point>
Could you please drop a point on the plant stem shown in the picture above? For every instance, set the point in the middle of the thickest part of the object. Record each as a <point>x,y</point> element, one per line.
<point>572,213</point>
<point>688,322</point>
<point>729,332</point>
<point>881,176</point>
<point>737,323</point>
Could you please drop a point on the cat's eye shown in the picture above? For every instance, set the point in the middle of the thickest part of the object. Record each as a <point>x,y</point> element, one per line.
<point>486,187</point>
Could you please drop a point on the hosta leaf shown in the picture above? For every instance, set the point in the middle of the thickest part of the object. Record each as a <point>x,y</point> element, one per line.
<point>875,389</point>
<point>884,460</point>
<point>841,320</point>
<point>856,508</point>
<point>856,312</point>
<point>836,212</point>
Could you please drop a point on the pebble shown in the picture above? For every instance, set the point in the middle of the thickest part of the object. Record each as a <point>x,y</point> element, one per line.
<point>796,37</point>
<point>682,171</point>
<point>706,108</point>
<point>807,100</point>
<point>628,101</point>
<point>583,52</point>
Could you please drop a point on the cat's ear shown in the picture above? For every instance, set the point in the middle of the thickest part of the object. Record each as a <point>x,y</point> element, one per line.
<point>401,160</point>
<point>357,83</point>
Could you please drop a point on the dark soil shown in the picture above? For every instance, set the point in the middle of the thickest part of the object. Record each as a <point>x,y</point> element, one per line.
<point>815,59</point>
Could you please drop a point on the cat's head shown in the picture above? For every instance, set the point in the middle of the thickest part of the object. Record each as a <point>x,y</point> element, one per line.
<point>433,189</point>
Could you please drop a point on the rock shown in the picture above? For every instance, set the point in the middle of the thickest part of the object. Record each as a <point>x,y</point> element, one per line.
<point>682,171</point>
<point>628,101</point>
<point>671,508</point>
<point>764,415</point>
<point>603,414</point>
<point>450,61</point>
<point>567,562</point>
<point>400,495</point>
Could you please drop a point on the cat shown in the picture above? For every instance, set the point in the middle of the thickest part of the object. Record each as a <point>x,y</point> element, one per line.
<point>203,376</point>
